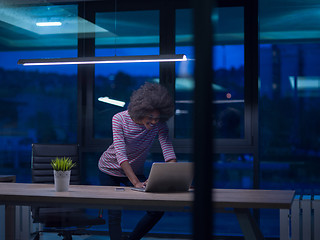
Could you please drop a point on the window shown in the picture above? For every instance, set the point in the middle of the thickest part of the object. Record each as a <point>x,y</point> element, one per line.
<point>228,66</point>
<point>38,104</point>
<point>289,99</point>
<point>230,169</point>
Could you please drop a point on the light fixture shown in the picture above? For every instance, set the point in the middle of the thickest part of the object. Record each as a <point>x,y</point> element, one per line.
<point>97,60</point>
<point>111,101</point>
<point>48,24</point>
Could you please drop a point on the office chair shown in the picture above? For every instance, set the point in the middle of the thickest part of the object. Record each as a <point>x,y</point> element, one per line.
<point>65,221</point>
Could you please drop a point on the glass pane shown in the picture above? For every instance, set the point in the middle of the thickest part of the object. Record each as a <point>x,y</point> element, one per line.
<point>38,104</point>
<point>130,33</point>
<point>289,99</point>
<point>289,96</point>
<point>233,171</point>
<point>228,66</point>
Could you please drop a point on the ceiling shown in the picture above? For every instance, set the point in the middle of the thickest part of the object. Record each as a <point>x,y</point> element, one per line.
<point>280,21</point>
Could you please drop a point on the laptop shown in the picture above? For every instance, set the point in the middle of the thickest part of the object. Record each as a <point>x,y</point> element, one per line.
<point>169,177</point>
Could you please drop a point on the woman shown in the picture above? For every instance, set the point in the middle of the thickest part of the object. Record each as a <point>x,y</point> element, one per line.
<point>134,131</point>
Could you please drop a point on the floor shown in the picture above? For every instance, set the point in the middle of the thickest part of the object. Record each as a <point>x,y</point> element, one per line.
<point>54,236</point>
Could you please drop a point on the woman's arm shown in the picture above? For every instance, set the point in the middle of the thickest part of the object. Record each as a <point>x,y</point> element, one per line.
<point>165,143</point>
<point>171,160</point>
<point>131,175</point>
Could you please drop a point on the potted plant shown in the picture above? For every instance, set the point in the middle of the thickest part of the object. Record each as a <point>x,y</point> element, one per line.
<point>62,171</point>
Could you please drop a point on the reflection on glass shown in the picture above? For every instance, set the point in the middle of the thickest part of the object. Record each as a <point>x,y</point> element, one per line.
<point>128,29</point>
<point>233,171</point>
<point>24,26</point>
<point>228,67</point>
<point>117,87</point>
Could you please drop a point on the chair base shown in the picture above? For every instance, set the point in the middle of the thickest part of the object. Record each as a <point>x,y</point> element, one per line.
<point>65,234</point>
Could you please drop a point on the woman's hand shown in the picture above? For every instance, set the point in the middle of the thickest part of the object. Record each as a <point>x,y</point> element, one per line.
<point>140,185</point>
<point>130,174</point>
<point>145,183</point>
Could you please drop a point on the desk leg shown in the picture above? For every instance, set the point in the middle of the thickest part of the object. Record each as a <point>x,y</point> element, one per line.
<point>248,225</point>
<point>10,221</point>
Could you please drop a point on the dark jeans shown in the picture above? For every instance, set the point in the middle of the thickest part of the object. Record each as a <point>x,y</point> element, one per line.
<point>145,224</point>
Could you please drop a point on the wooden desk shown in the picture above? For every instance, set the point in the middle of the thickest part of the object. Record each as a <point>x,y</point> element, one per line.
<point>240,200</point>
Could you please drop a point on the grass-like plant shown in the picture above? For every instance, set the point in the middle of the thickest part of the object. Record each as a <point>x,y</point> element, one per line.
<point>62,164</point>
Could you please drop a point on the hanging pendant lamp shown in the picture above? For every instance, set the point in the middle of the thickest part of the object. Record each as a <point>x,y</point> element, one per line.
<point>100,60</point>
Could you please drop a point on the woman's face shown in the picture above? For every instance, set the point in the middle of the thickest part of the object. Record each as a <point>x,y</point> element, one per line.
<point>151,119</point>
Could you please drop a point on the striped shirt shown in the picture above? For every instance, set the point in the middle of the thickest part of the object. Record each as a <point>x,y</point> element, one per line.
<point>132,142</point>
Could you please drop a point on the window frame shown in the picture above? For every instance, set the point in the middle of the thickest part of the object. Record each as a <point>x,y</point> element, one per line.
<point>248,144</point>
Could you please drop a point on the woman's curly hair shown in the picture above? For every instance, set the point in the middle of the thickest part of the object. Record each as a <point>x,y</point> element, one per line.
<point>150,97</point>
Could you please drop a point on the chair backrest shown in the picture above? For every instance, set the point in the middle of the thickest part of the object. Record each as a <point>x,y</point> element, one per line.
<point>43,154</point>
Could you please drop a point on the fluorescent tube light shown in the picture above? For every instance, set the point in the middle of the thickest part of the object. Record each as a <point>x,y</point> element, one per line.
<point>99,60</point>
<point>111,101</point>
<point>48,24</point>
